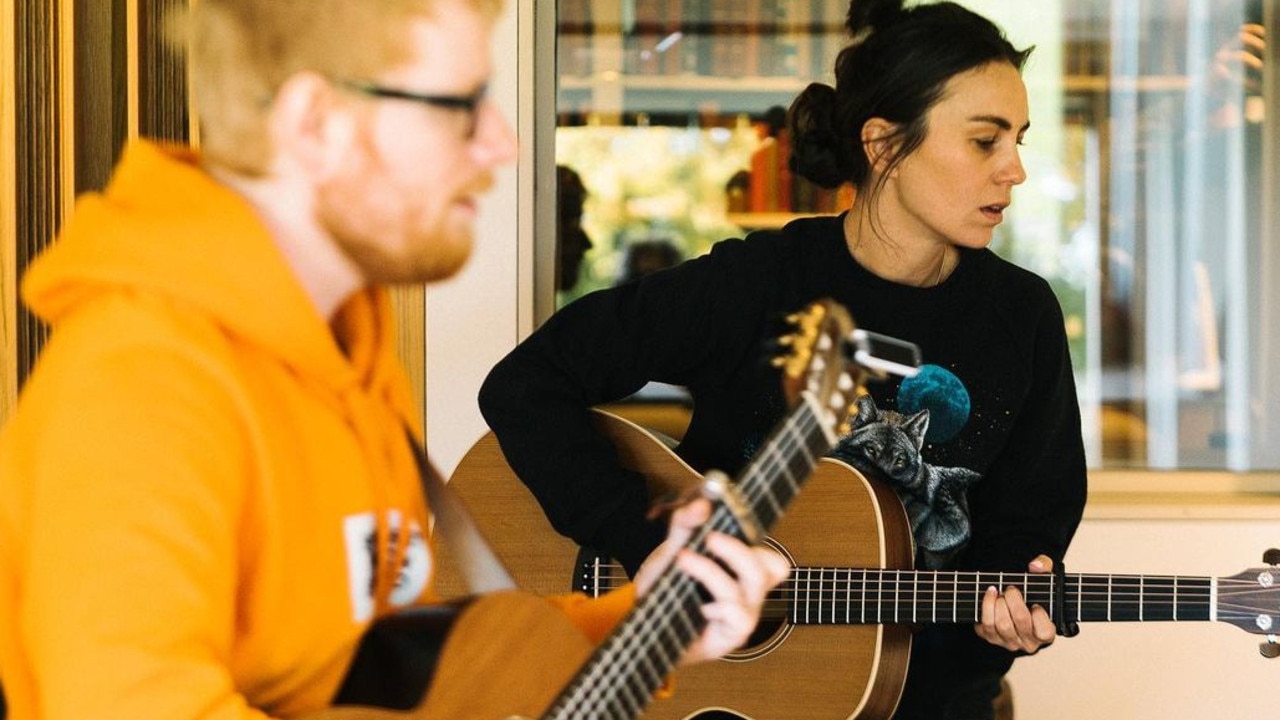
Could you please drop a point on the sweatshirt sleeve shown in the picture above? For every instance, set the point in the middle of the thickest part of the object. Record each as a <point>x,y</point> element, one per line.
<point>681,326</point>
<point>596,617</point>
<point>128,593</point>
<point>1033,497</point>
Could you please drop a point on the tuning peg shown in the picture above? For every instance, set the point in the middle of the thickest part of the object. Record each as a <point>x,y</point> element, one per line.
<point>1269,649</point>
<point>1271,557</point>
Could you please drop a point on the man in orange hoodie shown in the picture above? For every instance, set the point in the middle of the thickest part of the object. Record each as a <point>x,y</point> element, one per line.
<point>207,495</point>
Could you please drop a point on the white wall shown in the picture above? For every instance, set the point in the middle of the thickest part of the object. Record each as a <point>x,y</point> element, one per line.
<point>473,320</point>
<point>1156,671</point>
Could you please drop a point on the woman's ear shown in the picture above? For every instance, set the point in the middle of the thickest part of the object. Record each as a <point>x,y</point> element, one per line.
<point>879,142</point>
<point>310,125</point>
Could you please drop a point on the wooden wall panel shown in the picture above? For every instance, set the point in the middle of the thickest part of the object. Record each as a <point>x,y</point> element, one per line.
<point>43,150</point>
<point>8,216</point>
<point>77,79</point>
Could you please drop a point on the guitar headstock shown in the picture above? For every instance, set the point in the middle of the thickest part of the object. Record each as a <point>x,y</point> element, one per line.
<point>818,361</point>
<point>1251,601</point>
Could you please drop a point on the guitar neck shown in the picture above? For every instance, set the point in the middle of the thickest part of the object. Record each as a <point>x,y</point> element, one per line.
<point>856,596</point>
<point>622,675</point>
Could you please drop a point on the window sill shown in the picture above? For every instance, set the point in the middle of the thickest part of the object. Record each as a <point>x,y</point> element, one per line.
<point>1182,495</point>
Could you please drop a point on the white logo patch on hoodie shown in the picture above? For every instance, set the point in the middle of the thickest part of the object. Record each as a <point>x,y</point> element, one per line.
<point>360,533</point>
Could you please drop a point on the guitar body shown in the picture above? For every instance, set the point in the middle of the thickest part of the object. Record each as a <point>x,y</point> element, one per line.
<point>792,672</point>
<point>506,655</point>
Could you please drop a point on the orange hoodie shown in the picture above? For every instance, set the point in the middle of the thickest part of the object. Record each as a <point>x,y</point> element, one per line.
<point>197,476</point>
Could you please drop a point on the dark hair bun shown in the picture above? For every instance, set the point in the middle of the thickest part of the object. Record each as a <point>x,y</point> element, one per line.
<point>868,15</point>
<point>817,152</point>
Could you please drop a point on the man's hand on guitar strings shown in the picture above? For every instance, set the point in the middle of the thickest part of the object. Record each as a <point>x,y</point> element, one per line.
<point>738,579</point>
<point>1009,623</point>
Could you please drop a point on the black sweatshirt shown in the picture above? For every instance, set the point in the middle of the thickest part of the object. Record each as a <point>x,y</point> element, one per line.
<point>992,334</point>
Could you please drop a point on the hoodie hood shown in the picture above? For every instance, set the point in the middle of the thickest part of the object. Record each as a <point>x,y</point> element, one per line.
<point>164,228</point>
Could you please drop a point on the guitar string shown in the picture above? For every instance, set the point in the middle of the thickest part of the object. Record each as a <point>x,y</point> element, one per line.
<point>1091,594</point>
<point>1152,586</point>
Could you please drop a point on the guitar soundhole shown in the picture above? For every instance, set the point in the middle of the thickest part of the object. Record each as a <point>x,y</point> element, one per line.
<point>768,634</point>
<point>773,628</point>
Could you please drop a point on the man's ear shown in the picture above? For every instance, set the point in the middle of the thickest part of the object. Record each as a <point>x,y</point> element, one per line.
<point>310,125</point>
<point>878,142</point>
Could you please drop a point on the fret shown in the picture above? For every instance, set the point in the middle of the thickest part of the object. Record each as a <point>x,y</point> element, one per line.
<point>977,592</point>
<point>808,596</point>
<point>1079,600</point>
<point>864,595</point>
<point>819,596</point>
<point>913,603</point>
<point>879,597</point>
<point>1038,590</point>
<point>935,596</point>
<point>634,697</point>
<point>835,584</point>
<point>672,649</point>
<point>1145,598</point>
<point>1158,599</point>
<point>1196,599</point>
<point>849,596</point>
<point>1124,598</point>
<point>754,484</point>
<point>645,664</point>
<point>820,600</point>
<point>1212,600</point>
<point>795,588</point>
<point>896,585</point>
<point>775,505</point>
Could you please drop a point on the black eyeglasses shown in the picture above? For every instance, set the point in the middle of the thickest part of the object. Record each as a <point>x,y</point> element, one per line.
<point>468,104</point>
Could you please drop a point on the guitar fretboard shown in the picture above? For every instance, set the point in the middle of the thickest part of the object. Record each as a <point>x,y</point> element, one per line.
<point>856,596</point>
<point>814,596</point>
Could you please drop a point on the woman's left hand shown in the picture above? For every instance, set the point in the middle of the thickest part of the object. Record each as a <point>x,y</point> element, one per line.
<point>1009,623</point>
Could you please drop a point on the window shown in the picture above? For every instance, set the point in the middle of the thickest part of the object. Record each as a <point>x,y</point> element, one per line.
<point>1149,204</point>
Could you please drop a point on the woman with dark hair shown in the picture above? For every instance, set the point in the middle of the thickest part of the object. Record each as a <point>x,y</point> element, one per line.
<point>572,241</point>
<point>925,120</point>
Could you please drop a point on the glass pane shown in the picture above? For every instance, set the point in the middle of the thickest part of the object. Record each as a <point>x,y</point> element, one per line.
<point>1146,208</point>
<point>668,109</point>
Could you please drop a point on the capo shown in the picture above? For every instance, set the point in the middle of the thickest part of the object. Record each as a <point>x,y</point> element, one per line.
<point>1066,628</point>
<point>718,488</point>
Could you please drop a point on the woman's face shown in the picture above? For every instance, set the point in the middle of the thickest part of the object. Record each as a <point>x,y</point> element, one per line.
<point>956,185</point>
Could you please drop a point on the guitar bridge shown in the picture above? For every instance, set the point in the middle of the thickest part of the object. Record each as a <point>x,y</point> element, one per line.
<point>595,573</point>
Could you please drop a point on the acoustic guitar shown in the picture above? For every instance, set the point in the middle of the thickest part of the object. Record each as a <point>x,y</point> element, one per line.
<point>510,654</point>
<point>835,637</point>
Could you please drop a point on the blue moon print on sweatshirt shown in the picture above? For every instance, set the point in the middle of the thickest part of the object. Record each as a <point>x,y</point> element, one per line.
<point>939,391</point>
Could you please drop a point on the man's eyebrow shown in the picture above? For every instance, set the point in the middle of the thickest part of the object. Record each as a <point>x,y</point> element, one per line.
<point>998,122</point>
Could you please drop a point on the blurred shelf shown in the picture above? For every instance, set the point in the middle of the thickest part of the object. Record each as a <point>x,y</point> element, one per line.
<point>685,82</point>
<point>764,220</point>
